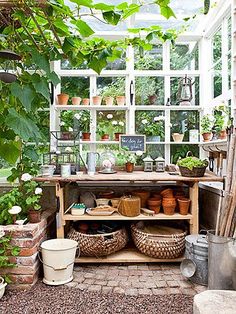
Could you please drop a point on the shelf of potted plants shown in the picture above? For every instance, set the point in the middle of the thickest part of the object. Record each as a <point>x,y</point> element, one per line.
<point>81,107</point>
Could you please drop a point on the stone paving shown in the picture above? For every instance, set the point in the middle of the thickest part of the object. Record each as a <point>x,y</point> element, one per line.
<point>140,279</point>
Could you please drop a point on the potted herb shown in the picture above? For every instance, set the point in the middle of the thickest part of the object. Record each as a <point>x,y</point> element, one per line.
<point>221,116</point>
<point>62,99</point>
<point>177,132</point>
<point>67,124</point>
<point>192,167</point>
<point>115,89</point>
<point>83,118</point>
<point>207,123</point>
<point>151,125</point>
<point>118,129</point>
<point>128,158</point>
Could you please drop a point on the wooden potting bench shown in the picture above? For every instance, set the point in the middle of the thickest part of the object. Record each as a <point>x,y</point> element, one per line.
<point>113,180</point>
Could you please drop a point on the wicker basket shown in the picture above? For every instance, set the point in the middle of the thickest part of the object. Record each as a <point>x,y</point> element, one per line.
<point>196,172</point>
<point>99,244</point>
<point>164,246</point>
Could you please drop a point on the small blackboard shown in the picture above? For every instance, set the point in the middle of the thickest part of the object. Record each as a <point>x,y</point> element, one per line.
<point>133,142</point>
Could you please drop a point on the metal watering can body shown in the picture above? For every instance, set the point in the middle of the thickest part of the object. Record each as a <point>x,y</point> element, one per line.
<point>92,158</point>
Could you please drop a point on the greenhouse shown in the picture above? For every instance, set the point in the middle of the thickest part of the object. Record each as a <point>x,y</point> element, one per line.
<point>117,156</point>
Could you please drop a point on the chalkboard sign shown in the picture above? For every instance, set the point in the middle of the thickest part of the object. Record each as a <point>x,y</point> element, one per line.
<point>133,142</point>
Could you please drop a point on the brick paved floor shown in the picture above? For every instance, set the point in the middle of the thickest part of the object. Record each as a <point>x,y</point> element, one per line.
<point>140,279</point>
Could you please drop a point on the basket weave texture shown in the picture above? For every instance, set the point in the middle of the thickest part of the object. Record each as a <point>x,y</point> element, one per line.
<point>156,245</point>
<point>196,172</point>
<point>99,244</point>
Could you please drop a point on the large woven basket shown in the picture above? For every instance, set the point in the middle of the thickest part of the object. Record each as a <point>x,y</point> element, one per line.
<point>163,246</point>
<point>99,244</point>
<point>196,172</point>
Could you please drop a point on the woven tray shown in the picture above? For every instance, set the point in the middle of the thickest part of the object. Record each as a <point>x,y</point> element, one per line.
<point>158,245</point>
<point>99,244</point>
<point>196,172</point>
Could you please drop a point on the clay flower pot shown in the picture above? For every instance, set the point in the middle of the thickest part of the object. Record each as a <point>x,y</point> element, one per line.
<point>76,101</point>
<point>120,100</point>
<point>105,137</point>
<point>167,193</point>
<point>62,99</point>
<point>184,204</point>
<point>169,209</point>
<point>109,100</point>
<point>143,195</point>
<point>223,135</point>
<point>169,201</point>
<point>152,99</point>
<point>177,137</point>
<point>34,216</point>
<point>85,101</point>
<point>129,167</point>
<point>117,136</point>
<point>207,136</point>
<point>86,136</point>
<point>154,204</point>
<point>97,100</point>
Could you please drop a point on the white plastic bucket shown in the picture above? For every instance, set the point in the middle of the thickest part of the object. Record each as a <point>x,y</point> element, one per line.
<point>58,257</point>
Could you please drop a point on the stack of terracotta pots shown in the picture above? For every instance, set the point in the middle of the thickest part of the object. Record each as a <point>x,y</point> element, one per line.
<point>168,201</point>
<point>143,195</point>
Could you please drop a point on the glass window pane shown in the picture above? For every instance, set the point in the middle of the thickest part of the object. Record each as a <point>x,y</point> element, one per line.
<point>110,87</point>
<point>180,151</point>
<point>229,33</point>
<point>176,89</point>
<point>184,121</point>
<point>217,49</point>
<point>75,86</point>
<point>151,124</point>
<point>109,123</point>
<point>184,57</point>
<point>151,60</point>
<point>217,83</point>
<point>149,91</point>
<point>66,65</point>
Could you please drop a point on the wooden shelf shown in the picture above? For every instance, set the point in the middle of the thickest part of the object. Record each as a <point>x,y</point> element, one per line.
<point>117,216</point>
<point>126,255</point>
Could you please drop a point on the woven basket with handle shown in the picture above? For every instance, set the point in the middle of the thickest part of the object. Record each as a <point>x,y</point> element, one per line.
<point>163,246</point>
<point>195,172</point>
<point>99,244</point>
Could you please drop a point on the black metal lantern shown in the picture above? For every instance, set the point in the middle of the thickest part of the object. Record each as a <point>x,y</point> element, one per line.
<point>185,93</point>
<point>9,58</point>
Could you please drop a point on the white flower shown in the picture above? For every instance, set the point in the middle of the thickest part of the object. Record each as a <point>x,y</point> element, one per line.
<point>70,129</point>
<point>114,122</point>
<point>139,153</point>
<point>109,116</point>
<point>2,233</point>
<point>170,125</point>
<point>15,210</point>
<point>68,150</point>
<point>159,118</point>
<point>121,123</point>
<point>26,177</point>
<point>62,123</point>
<point>144,121</point>
<point>77,116</point>
<point>38,191</point>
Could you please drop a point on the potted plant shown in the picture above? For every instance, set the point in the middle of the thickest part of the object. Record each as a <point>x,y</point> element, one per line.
<point>109,100</point>
<point>128,158</point>
<point>97,100</point>
<point>83,119</point>
<point>85,101</point>
<point>118,129</point>
<point>151,125</point>
<point>207,123</point>
<point>221,116</point>
<point>120,100</point>
<point>177,132</point>
<point>145,90</point>
<point>76,101</point>
<point>67,124</point>
<point>62,99</point>
<point>192,167</point>
<point>115,90</point>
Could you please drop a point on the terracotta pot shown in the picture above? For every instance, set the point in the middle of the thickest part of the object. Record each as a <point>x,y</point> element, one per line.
<point>105,137</point>
<point>169,201</point>
<point>223,135</point>
<point>86,136</point>
<point>184,204</point>
<point>97,100</point>
<point>34,216</point>
<point>129,167</point>
<point>85,101</point>
<point>169,209</point>
<point>117,136</point>
<point>76,101</point>
<point>157,196</point>
<point>62,99</point>
<point>120,100</point>
<point>167,193</point>
<point>207,136</point>
<point>154,204</point>
<point>152,99</point>
<point>143,195</point>
<point>177,137</point>
<point>109,100</point>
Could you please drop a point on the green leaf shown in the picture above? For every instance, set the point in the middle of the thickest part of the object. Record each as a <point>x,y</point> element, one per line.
<point>42,88</point>
<point>10,151</point>
<point>61,26</point>
<point>84,29</point>
<point>133,8</point>
<point>25,94</point>
<point>167,12</point>
<point>207,4</point>
<point>68,44</point>
<point>122,6</point>
<point>53,77</point>
<point>111,17</point>
<point>103,7</point>
<point>86,3</point>
<point>41,61</point>
<point>97,65</point>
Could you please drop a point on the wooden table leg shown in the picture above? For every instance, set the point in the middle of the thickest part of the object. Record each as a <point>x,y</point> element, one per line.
<point>193,194</point>
<point>60,222</point>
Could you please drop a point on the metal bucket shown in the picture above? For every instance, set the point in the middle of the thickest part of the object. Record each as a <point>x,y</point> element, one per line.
<point>222,262</point>
<point>195,266</point>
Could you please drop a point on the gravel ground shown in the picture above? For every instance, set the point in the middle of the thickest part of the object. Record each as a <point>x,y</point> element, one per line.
<point>42,299</point>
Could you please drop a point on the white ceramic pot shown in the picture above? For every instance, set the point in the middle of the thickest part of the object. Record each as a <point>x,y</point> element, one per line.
<point>2,287</point>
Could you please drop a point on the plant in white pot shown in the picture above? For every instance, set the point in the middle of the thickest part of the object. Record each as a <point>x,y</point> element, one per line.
<point>207,123</point>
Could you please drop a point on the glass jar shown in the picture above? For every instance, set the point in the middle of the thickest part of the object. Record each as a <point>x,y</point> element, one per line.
<point>107,160</point>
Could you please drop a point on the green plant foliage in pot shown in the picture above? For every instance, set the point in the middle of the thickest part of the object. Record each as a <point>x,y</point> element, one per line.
<point>192,167</point>
<point>207,123</point>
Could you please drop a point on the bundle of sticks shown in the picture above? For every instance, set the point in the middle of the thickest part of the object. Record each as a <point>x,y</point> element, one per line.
<point>226,217</point>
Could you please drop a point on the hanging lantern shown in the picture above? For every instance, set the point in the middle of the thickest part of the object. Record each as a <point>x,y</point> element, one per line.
<point>160,164</point>
<point>148,164</point>
<point>185,93</point>
<point>9,57</point>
